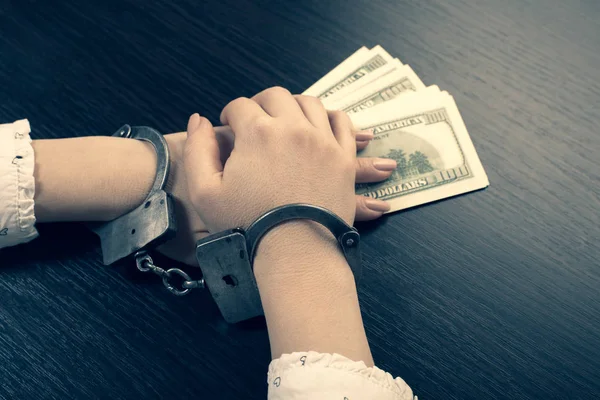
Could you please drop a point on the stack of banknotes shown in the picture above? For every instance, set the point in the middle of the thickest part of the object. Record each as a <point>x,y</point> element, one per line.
<point>418,126</point>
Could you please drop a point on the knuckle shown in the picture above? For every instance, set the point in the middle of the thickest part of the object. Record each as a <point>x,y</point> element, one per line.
<point>362,164</point>
<point>361,211</point>
<point>352,132</point>
<point>338,115</point>
<point>232,105</point>
<point>237,102</point>
<point>309,99</point>
<point>343,119</point>
<point>277,91</point>
<point>361,202</point>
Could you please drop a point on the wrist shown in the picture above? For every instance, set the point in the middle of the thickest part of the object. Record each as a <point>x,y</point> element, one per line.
<point>308,292</point>
<point>302,253</point>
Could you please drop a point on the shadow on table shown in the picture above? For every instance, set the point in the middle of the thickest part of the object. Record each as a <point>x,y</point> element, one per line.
<point>70,248</point>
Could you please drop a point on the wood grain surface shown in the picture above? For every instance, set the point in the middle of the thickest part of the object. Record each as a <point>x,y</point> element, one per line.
<point>491,295</point>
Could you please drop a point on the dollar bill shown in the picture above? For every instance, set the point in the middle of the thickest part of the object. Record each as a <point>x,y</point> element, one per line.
<point>365,81</point>
<point>419,127</point>
<point>427,137</point>
<point>386,88</point>
<point>354,71</point>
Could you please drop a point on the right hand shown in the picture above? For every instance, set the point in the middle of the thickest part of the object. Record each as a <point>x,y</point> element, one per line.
<point>288,149</point>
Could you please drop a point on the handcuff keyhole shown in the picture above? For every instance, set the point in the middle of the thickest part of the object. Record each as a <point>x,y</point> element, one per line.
<point>230,280</point>
<point>147,204</point>
<point>133,231</point>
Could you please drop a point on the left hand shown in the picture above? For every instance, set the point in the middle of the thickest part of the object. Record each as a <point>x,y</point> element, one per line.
<point>191,228</point>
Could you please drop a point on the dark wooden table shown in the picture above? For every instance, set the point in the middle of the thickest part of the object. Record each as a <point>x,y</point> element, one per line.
<point>492,295</point>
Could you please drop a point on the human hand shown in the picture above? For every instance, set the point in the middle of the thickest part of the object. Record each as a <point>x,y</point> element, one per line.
<point>191,228</point>
<point>287,150</point>
<point>368,170</point>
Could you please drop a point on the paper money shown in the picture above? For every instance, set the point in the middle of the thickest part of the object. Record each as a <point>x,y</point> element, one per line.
<point>430,143</point>
<point>419,127</point>
<point>354,71</point>
<point>386,88</point>
<point>365,81</point>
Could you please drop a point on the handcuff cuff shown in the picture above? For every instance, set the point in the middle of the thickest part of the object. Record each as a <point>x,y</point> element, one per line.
<point>225,258</point>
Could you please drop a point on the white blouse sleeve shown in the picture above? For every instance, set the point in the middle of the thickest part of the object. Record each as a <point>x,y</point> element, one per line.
<point>316,376</point>
<point>17,185</point>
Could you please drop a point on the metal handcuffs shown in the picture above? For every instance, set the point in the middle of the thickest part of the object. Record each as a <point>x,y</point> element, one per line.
<point>225,258</point>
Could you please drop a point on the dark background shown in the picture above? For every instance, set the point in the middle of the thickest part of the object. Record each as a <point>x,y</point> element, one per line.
<point>491,295</point>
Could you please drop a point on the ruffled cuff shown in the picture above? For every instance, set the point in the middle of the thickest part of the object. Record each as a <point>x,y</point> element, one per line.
<point>17,184</point>
<point>313,375</point>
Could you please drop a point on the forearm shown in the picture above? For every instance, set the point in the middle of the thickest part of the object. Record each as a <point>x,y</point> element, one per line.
<point>99,178</point>
<point>309,293</point>
<point>91,178</point>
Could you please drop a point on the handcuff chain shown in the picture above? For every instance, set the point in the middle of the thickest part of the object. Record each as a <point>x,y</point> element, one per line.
<point>145,263</point>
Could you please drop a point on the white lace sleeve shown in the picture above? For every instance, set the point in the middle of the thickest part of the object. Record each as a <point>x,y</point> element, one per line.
<point>17,185</point>
<point>311,375</point>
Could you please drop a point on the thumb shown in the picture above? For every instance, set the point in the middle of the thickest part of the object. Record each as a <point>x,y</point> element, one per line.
<point>202,158</point>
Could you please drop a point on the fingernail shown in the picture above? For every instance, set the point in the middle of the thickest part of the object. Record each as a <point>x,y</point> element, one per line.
<point>366,134</point>
<point>385,164</point>
<point>193,123</point>
<point>377,205</point>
